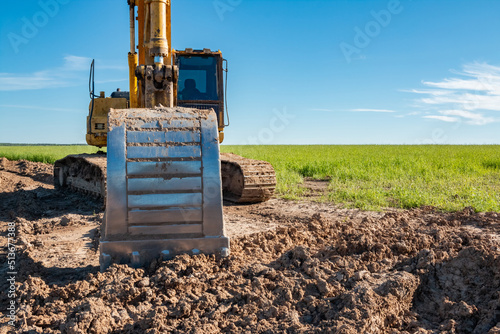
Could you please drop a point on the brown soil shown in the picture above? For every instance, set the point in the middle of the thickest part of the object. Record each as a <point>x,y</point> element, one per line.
<point>295,267</point>
<point>316,189</point>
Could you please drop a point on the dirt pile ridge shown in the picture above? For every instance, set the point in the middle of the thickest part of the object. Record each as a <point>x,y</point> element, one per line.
<point>301,268</point>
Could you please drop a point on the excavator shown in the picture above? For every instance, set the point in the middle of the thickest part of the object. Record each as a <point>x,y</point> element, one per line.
<point>163,177</point>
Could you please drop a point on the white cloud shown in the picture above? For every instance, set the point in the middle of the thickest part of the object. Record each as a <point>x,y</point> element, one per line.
<point>6,106</point>
<point>467,97</point>
<point>75,63</point>
<point>444,118</point>
<point>321,109</point>
<point>371,110</point>
<point>426,91</point>
<point>63,76</point>
<point>457,84</point>
<point>475,118</point>
<point>473,92</point>
<point>354,110</point>
<point>73,71</point>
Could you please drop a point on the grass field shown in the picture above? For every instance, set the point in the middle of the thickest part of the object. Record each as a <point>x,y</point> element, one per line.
<point>375,177</point>
<point>365,177</point>
<point>47,154</point>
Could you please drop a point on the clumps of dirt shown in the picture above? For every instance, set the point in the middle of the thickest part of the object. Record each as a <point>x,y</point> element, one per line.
<point>56,233</point>
<point>464,290</point>
<point>38,171</point>
<point>33,201</point>
<point>46,226</point>
<point>410,271</point>
<point>57,248</point>
<point>302,267</point>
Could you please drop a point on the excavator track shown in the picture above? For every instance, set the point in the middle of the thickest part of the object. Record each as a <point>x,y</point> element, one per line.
<point>246,180</point>
<point>243,180</point>
<point>85,173</point>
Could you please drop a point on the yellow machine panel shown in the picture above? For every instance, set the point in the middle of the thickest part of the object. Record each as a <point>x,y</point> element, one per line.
<point>97,128</point>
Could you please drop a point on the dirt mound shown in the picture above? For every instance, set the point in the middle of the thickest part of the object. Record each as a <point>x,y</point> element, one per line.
<point>337,271</point>
<point>464,291</point>
<point>335,276</point>
<point>36,170</point>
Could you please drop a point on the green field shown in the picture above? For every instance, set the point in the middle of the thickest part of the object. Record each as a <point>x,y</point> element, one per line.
<point>365,177</point>
<point>47,154</point>
<point>375,177</point>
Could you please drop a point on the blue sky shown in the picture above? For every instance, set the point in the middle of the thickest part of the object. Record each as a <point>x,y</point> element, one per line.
<point>301,72</point>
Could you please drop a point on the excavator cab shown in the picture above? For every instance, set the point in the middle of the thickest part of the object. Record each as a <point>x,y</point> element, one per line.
<point>201,83</point>
<point>202,70</point>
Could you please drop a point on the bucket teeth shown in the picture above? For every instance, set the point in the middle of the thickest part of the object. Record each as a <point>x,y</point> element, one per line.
<point>164,192</point>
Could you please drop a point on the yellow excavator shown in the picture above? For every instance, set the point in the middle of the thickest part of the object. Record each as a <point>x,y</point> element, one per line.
<point>163,177</point>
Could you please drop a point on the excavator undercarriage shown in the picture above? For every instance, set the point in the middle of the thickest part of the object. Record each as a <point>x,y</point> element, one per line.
<point>243,180</point>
